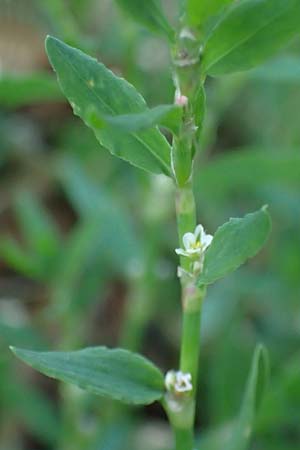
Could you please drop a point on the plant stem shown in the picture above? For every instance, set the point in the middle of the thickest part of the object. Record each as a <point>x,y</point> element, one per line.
<point>181,409</point>
<point>184,439</point>
<point>190,342</point>
<point>186,215</point>
<point>181,406</point>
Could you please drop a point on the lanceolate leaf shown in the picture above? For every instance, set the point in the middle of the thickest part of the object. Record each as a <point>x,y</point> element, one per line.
<point>95,92</point>
<point>233,243</point>
<point>249,33</point>
<point>148,13</point>
<point>255,387</point>
<point>118,374</point>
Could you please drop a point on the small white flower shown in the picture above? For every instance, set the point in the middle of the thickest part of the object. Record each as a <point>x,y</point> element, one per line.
<point>195,243</point>
<point>178,381</point>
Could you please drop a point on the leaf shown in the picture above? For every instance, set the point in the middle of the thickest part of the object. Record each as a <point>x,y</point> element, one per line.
<point>17,91</point>
<point>198,12</point>
<point>38,228</point>
<point>281,403</point>
<point>249,33</point>
<point>149,14</point>
<point>32,408</point>
<point>112,222</point>
<point>169,116</point>
<point>94,91</point>
<point>117,373</point>
<point>233,243</point>
<point>255,388</point>
<point>18,259</point>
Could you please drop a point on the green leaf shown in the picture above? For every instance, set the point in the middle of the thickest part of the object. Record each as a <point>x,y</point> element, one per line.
<point>31,408</point>
<point>117,374</point>
<point>249,33</point>
<point>233,243</point>
<point>18,259</point>
<point>168,116</point>
<point>149,14</point>
<point>107,216</point>
<point>198,12</point>
<point>281,403</point>
<point>254,391</point>
<point>17,91</point>
<point>95,92</point>
<point>38,228</point>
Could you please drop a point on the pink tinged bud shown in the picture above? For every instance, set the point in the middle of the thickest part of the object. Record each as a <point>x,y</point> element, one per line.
<point>181,100</point>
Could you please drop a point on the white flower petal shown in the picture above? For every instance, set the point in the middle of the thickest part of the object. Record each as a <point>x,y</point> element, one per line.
<point>183,382</point>
<point>170,379</point>
<point>199,231</point>
<point>178,381</point>
<point>181,252</point>
<point>189,240</point>
<point>206,240</point>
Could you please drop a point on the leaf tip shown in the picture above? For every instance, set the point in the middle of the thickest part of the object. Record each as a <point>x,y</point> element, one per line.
<point>265,208</point>
<point>18,352</point>
<point>52,43</point>
<point>13,349</point>
<point>48,40</point>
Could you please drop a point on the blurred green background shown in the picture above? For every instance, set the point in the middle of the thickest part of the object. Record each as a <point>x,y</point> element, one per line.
<point>87,241</point>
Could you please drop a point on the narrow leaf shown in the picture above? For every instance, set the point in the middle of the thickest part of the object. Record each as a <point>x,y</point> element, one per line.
<point>18,259</point>
<point>95,92</point>
<point>118,374</point>
<point>149,14</point>
<point>249,33</point>
<point>17,91</point>
<point>254,391</point>
<point>233,243</point>
<point>38,227</point>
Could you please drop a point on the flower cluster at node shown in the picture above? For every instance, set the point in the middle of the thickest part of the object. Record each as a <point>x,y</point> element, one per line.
<point>178,382</point>
<point>195,244</point>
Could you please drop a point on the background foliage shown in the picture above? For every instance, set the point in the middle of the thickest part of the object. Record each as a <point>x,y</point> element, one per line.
<point>87,241</point>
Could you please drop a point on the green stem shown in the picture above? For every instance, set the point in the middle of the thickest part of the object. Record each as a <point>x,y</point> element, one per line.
<point>186,215</point>
<point>190,342</point>
<point>181,409</point>
<point>181,406</point>
<point>184,439</point>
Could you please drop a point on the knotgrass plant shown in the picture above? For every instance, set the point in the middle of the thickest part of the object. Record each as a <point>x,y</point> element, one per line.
<point>211,38</point>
